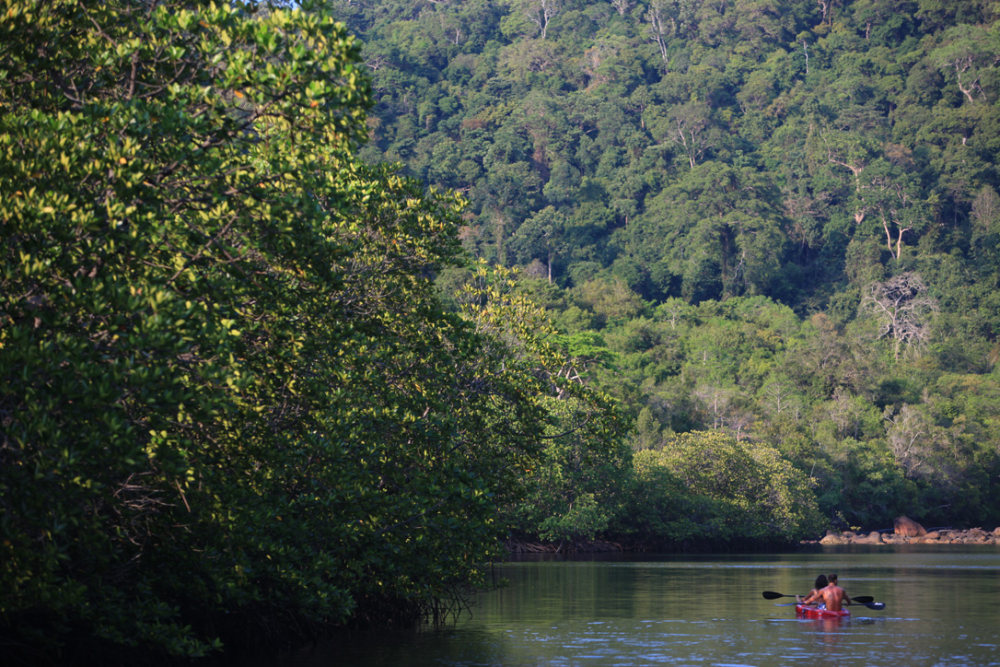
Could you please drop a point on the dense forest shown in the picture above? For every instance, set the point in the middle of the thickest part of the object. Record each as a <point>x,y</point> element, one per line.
<point>298,328</point>
<point>772,219</point>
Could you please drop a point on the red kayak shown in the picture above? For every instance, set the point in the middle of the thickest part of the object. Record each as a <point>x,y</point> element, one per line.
<point>809,611</point>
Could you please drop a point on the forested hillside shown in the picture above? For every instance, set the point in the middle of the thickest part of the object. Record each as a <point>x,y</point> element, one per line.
<point>775,219</point>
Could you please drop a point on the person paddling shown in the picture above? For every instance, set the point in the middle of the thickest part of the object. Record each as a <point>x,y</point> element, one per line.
<point>821,583</point>
<point>833,595</point>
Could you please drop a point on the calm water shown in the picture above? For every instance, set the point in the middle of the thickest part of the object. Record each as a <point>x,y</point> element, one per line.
<point>941,609</point>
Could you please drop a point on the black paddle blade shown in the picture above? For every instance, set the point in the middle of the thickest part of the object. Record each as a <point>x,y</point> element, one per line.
<point>771,595</point>
<point>867,601</point>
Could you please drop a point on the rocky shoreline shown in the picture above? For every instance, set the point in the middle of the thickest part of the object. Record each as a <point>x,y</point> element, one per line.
<point>936,536</point>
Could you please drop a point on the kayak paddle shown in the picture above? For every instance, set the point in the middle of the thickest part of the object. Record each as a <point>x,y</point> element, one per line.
<point>870,605</point>
<point>866,600</point>
<point>771,595</point>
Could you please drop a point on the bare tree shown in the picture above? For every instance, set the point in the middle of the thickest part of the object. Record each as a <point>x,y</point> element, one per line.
<point>716,402</point>
<point>903,310</point>
<point>724,406</point>
<point>909,433</point>
<point>540,12</point>
<point>779,396</point>
<point>622,6</point>
<point>826,11</point>
<point>985,209</point>
<point>656,30</point>
<point>847,412</point>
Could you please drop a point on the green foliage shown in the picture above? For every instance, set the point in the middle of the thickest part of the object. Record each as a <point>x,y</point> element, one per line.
<point>726,193</point>
<point>572,486</point>
<point>729,149</point>
<point>161,269</point>
<point>233,404</point>
<point>709,487</point>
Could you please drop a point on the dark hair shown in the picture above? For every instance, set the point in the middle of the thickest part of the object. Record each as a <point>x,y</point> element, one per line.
<point>821,582</point>
<point>833,578</point>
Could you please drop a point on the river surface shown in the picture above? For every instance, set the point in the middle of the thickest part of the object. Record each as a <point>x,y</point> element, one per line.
<point>942,607</point>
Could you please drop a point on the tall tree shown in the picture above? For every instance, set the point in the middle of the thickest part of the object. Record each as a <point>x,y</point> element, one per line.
<point>967,54</point>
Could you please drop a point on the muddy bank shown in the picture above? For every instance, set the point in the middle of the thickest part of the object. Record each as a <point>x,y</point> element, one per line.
<point>934,536</point>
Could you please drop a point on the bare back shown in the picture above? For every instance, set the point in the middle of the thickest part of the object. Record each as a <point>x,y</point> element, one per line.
<point>834,596</point>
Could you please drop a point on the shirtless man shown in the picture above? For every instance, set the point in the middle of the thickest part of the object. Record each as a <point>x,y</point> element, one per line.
<point>833,595</point>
